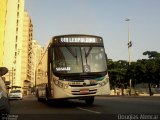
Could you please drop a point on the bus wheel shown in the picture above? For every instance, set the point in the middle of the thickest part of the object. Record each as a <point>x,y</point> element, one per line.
<point>47,94</point>
<point>89,100</point>
<point>38,98</point>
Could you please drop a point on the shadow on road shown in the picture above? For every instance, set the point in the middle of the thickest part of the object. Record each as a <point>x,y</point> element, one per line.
<point>66,103</point>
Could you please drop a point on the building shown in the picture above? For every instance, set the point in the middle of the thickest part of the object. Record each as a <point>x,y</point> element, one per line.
<point>19,52</point>
<point>3,12</point>
<point>32,51</point>
<point>26,53</point>
<point>37,51</point>
<point>12,58</point>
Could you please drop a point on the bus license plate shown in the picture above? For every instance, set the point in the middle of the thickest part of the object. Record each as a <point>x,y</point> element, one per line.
<point>84,91</point>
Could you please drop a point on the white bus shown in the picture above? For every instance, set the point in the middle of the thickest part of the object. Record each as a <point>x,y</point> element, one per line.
<point>73,66</point>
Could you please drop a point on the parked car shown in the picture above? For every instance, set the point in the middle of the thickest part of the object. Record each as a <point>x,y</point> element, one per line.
<point>15,94</point>
<point>4,102</point>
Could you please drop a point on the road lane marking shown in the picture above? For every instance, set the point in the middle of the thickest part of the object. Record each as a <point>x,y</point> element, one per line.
<point>96,112</point>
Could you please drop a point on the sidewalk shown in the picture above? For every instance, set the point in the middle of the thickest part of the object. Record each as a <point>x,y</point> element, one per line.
<point>149,95</point>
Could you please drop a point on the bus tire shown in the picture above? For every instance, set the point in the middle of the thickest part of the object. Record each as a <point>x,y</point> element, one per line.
<point>37,95</point>
<point>39,99</point>
<point>89,100</point>
<point>47,95</point>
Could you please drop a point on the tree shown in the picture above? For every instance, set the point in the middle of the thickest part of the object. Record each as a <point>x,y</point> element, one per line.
<point>117,74</point>
<point>152,74</point>
<point>152,54</point>
<point>141,71</point>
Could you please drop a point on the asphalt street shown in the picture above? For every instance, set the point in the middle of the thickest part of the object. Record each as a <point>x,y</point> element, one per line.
<point>106,107</point>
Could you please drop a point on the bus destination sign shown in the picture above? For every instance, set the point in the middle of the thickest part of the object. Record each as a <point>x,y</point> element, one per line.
<point>80,40</point>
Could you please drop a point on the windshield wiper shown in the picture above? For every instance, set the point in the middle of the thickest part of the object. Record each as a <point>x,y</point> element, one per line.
<point>86,54</point>
<point>72,53</point>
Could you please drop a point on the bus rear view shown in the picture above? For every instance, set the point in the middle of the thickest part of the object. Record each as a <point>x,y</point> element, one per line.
<point>76,68</point>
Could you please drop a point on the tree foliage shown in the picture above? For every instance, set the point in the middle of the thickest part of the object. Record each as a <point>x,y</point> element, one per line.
<point>117,73</point>
<point>152,54</point>
<point>141,71</point>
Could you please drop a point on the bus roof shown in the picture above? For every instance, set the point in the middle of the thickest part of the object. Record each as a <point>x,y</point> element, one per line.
<point>73,35</point>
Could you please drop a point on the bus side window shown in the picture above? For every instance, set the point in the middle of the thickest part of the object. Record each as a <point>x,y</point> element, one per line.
<point>53,59</point>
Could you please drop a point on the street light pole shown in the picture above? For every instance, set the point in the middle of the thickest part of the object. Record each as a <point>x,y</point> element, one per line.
<point>129,50</point>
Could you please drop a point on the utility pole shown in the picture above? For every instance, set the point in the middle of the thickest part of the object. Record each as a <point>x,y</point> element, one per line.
<point>129,50</point>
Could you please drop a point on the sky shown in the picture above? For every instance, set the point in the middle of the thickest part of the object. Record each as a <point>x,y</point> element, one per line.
<point>105,18</point>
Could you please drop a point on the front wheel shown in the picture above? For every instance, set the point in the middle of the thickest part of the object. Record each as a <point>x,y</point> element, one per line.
<point>89,100</point>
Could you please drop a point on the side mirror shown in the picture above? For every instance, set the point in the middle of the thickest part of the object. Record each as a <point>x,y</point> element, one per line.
<point>3,71</point>
<point>106,56</point>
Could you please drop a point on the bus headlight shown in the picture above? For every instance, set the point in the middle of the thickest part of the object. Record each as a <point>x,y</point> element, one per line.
<point>65,86</point>
<point>60,84</point>
<point>92,82</point>
<point>104,82</point>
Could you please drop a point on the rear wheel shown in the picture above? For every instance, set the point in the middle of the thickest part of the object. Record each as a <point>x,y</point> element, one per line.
<point>89,100</point>
<point>37,95</point>
<point>47,94</point>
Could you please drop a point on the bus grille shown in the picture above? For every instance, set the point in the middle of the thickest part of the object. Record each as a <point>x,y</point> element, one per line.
<point>82,85</point>
<point>78,92</point>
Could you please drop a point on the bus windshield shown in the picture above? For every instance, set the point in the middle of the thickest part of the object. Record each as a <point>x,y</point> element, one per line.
<point>70,59</point>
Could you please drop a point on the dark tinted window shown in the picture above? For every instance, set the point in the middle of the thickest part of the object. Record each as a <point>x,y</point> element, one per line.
<point>15,91</point>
